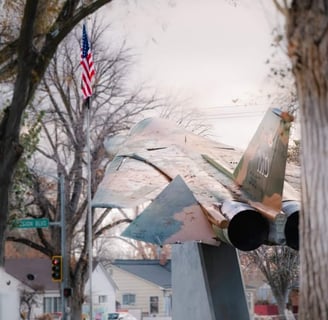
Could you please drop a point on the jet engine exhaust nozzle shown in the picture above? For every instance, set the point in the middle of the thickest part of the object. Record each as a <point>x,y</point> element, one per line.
<point>247,229</point>
<point>292,209</point>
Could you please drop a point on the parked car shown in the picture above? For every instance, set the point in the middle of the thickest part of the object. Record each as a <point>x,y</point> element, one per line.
<point>120,316</point>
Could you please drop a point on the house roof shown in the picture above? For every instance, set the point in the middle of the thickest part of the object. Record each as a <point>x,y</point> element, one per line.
<point>40,268</point>
<point>150,270</point>
<point>105,272</point>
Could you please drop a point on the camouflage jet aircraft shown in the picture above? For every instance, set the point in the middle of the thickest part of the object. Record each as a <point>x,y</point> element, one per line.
<point>196,190</point>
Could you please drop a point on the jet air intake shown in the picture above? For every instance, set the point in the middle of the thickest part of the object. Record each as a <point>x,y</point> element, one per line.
<point>247,229</point>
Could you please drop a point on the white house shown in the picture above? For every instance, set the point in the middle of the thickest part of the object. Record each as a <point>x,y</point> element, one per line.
<point>24,275</point>
<point>9,296</point>
<point>103,293</point>
<point>144,287</point>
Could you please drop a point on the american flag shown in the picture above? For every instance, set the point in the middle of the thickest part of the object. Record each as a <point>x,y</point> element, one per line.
<point>88,70</point>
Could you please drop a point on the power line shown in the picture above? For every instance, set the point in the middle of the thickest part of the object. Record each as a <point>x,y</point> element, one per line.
<point>226,115</point>
<point>262,105</point>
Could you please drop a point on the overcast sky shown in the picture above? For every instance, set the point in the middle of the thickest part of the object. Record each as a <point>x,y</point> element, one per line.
<point>212,52</point>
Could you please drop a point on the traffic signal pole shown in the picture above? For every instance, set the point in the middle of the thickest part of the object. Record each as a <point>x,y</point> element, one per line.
<point>63,246</point>
<point>62,225</point>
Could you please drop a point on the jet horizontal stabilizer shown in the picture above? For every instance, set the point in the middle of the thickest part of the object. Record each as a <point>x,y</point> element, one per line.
<point>173,217</point>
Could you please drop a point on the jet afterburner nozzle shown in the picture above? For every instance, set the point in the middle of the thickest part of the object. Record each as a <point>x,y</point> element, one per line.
<point>291,209</point>
<point>247,229</point>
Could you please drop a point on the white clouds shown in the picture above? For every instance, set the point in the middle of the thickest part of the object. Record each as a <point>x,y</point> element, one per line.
<point>208,50</point>
<point>196,42</point>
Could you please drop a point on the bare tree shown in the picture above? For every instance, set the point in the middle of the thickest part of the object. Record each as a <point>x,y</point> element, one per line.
<point>129,248</point>
<point>191,119</point>
<point>280,267</point>
<point>31,30</point>
<point>28,299</point>
<point>62,151</point>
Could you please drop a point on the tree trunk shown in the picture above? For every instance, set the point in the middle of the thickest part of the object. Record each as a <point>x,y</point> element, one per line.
<point>10,149</point>
<point>280,293</point>
<point>8,159</point>
<point>78,285</point>
<point>76,309</point>
<point>308,49</point>
<point>281,303</point>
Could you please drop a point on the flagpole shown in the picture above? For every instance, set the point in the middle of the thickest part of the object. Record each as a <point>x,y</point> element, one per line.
<point>88,72</point>
<point>88,104</point>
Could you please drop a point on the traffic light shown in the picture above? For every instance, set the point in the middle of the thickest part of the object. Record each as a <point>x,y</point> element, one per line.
<point>67,292</point>
<point>57,268</point>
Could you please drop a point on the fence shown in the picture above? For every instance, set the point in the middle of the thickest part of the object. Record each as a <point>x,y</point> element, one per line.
<point>156,318</point>
<point>274,317</point>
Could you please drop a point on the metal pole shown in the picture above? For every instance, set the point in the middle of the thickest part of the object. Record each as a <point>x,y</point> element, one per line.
<point>63,243</point>
<point>62,225</point>
<point>89,207</point>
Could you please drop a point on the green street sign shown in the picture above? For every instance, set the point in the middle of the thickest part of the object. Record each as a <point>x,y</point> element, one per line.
<point>33,223</point>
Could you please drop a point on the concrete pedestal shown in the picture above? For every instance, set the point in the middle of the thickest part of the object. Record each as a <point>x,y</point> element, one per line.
<point>207,283</point>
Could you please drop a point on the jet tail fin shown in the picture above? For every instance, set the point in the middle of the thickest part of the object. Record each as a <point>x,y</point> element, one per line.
<point>260,173</point>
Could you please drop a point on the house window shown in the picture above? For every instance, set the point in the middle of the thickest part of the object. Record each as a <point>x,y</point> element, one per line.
<point>102,299</point>
<point>153,305</point>
<point>129,299</point>
<point>250,301</point>
<point>51,304</point>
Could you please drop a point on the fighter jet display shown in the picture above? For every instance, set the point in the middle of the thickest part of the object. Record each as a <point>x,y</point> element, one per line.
<point>203,190</point>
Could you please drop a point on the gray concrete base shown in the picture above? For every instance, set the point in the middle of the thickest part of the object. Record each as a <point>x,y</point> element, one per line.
<point>207,283</point>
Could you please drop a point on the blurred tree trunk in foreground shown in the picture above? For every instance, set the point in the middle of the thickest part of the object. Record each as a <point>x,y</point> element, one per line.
<point>307,35</point>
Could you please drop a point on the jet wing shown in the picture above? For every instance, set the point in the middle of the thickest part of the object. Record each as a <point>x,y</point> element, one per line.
<point>155,153</point>
<point>128,183</point>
